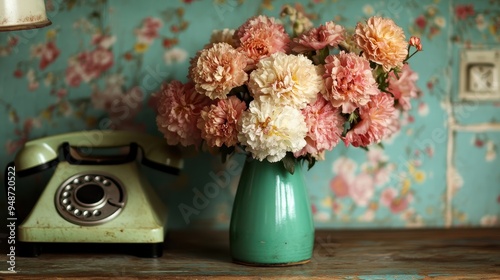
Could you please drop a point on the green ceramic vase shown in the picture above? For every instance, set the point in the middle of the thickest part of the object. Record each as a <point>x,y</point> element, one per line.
<point>271,222</point>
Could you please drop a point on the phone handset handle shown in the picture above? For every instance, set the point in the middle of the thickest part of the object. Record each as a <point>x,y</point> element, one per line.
<point>43,152</point>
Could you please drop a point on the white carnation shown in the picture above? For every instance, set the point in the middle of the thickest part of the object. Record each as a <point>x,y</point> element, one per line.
<point>270,131</point>
<point>286,79</point>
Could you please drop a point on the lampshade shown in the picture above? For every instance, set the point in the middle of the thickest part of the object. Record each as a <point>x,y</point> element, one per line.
<point>22,14</point>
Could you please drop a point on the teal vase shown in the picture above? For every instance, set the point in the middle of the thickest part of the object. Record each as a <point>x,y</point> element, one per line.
<point>271,222</point>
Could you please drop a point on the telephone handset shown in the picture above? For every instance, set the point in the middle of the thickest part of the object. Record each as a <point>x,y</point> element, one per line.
<point>97,192</point>
<point>43,153</point>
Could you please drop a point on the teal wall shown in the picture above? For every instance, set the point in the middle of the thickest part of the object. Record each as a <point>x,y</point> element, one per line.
<point>440,170</point>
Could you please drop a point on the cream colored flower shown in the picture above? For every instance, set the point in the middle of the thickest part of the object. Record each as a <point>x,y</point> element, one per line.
<point>286,79</point>
<point>218,69</point>
<point>223,36</point>
<point>269,131</point>
<point>383,42</point>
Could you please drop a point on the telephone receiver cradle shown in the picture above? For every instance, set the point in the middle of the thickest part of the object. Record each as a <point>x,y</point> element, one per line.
<point>97,198</point>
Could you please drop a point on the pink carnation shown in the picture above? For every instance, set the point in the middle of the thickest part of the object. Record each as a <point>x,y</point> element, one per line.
<point>404,88</point>
<point>330,34</point>
<point>260,37</point>
<point>376,117</point>
<point>219,122</point>
<point>179,107</point>
<point>217,70</point>
<point>349,81</point>
<point>325,126</point>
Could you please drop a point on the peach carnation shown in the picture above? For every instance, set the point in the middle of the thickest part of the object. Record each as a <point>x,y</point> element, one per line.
<point>260,37</point>
<point>290,79</point>
<point>218,122</point>
<point>404,88</point>
<point>382,42</point>
<point>330,34</point>
<point>349,81</point>
<point>178,108</point>
<point>376,117</point>
<point>218,69</point>
<point>325,126</point>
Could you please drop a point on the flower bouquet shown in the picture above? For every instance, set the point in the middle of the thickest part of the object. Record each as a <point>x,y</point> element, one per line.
<point>287,98</point>
<point>284,98</point>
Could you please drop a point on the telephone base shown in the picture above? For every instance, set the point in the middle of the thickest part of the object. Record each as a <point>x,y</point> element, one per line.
<point>141,250</point>
<point>141,221</point>
<point>98,193</point>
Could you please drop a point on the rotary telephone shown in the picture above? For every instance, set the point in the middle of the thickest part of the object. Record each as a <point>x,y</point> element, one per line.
<point>97,193</point>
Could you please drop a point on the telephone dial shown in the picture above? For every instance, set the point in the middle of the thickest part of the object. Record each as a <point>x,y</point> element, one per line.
<point>97,193</point>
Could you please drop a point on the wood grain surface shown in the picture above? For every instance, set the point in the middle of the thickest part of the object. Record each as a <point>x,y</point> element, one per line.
<point>338,254</point>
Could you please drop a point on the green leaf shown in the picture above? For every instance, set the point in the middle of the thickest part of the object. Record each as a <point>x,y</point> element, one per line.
<point>225,152</point>
<point>289,163</point>
<point>347,126</point>
<point>242,93</point>
<point>353,117</point>
<point>95,14</point>
<point>310,162</point>
<point>319,57</point>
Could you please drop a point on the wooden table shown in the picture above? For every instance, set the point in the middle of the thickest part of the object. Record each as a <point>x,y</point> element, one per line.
<point>338,254</point>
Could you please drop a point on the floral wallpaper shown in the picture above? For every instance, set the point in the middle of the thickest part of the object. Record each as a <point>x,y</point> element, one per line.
<point>101,61</point>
